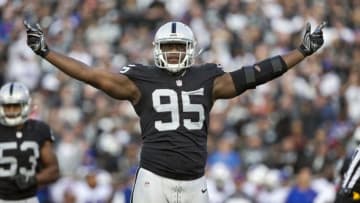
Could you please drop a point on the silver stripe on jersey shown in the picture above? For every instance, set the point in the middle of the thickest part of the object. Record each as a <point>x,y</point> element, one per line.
<point>353,172</point>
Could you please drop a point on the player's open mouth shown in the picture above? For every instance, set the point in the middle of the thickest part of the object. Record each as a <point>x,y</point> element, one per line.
<point>12,115</point>
<point>173,60</point>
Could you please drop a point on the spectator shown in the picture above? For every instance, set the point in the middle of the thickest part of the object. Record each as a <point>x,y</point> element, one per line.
<point>302,192</point>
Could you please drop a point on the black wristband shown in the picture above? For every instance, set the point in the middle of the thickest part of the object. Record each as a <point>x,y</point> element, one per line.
<point>303,51</point>
<point>44,53</point>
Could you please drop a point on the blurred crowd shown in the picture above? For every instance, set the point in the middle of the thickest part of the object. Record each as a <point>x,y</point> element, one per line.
<point>281,142</point>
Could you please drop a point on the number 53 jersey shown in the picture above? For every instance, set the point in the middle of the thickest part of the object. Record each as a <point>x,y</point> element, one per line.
<point>20,154</point>
<point>174,117</point>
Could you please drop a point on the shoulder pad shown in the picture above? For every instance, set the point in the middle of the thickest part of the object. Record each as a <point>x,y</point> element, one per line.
<point>209,66</point>
<point>42,129</point>
<point>129,67</point>
<point>138,71</point>
<point>213,67</point>
<point>36,124</point>
<point>207,70</point>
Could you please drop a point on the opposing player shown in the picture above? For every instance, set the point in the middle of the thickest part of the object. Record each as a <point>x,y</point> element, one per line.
<point>27,160</point>
<point>173,99</point>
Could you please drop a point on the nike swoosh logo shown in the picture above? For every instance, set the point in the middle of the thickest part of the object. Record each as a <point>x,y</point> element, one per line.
<point>203,190</point>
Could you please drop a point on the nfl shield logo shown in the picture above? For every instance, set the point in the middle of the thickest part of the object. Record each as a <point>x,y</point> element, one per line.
<point>179,83</point>
<point>19,134</point>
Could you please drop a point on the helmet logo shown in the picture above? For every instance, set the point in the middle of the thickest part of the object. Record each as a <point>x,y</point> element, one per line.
<point>19,134</point>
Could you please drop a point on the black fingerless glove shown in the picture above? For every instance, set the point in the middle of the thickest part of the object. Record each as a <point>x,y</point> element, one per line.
<point>25,182</point>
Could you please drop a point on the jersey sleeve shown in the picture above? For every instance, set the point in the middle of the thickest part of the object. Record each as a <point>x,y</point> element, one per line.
<point>45,133</point>
<point>213,70</point>
<point>134,72</point>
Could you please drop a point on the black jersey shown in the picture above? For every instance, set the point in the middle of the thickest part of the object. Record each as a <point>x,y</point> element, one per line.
<point>174,117</point>
<point>349,173</point>
<point>20,154</point>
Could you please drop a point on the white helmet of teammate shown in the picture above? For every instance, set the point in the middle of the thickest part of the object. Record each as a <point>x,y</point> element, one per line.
<point>14,93</point>
<point>179,33</point>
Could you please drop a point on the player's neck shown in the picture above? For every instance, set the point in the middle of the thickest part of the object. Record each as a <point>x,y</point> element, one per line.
<point>180,73</point>
<point>19,127</point>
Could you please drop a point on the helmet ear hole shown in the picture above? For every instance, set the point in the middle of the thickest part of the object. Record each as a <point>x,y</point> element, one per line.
<point>174,34</point>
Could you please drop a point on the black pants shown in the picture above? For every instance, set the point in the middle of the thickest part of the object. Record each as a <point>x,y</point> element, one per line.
<point>345,199</point>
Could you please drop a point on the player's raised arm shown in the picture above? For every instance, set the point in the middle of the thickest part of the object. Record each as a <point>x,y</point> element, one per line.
<point>115,85</point>
<point>234,83</point>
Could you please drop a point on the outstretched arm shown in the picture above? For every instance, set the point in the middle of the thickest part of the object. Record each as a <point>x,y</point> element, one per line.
<point>234,83</point>
<point>116,85</point>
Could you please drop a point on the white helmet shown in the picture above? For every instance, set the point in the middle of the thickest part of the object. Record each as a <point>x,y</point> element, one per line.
<point>14,93</point>
<point>174,32</point>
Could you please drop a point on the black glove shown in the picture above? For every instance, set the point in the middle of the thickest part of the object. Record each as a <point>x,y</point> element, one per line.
<point>312,41</point>
<point>35,39</point>
<point>25,182</point>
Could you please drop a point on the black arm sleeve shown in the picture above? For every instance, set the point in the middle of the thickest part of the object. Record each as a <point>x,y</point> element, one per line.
<point>248,77</point>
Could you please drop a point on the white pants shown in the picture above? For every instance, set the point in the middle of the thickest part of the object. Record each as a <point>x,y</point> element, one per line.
<point>152,188</point>
<point>27,200</point>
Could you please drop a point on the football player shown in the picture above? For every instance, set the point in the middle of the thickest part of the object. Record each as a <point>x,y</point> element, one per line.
<point>350,185</point>
<point>173,99</point>
<point>27,160</point>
